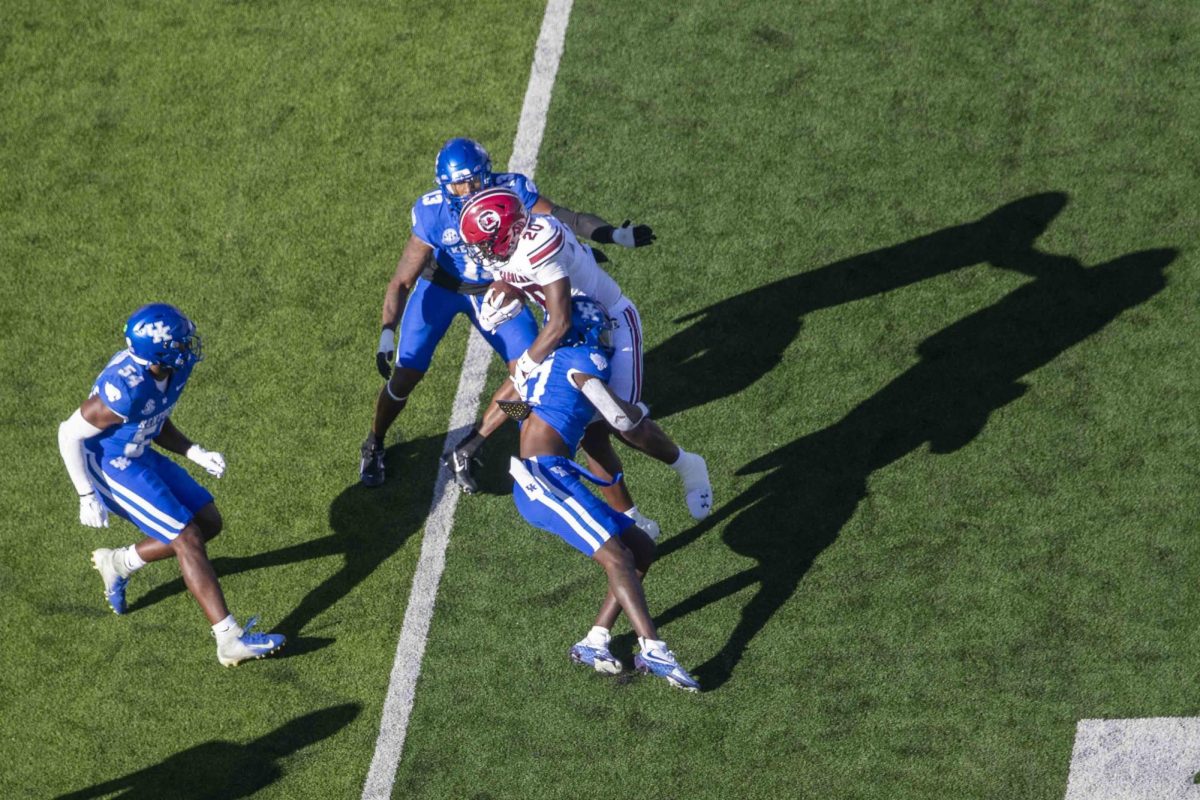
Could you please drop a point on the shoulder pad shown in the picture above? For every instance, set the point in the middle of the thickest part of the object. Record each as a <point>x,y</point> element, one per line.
<point>115,393</point>
<point>587,360</point>
<point>521,185</point>
<point>425,213</point>
<point>547,240</point>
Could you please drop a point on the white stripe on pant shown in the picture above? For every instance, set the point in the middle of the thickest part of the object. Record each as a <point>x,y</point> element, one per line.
<point>549,498</point>
<point>103,482</point>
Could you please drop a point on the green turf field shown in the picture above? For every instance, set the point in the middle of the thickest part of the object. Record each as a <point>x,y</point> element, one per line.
<point>924,294</point>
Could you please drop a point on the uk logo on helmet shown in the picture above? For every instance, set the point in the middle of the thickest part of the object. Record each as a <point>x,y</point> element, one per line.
<point>157,331</point>
<point>588,310</point>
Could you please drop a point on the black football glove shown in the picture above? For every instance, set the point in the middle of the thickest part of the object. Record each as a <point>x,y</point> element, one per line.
<point>628,235</point>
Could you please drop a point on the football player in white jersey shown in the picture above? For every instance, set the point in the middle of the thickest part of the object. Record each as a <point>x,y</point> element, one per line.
<point>106,446</point>
<point>435,281</point>
<point>540,255</point>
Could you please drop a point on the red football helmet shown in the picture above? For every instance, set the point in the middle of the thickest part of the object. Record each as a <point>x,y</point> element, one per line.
<point>490,225</point>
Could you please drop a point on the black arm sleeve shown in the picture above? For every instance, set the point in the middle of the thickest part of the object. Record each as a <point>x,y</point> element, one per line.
<point>586,225</point>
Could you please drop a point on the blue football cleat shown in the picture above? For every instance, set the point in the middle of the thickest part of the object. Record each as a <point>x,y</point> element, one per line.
<point>598,658</point>
<point>247,644</point>
<point>663,664</point>
<point>114,583</point>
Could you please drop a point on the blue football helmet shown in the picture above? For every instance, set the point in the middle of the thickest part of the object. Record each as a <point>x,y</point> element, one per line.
<point>590,325</point>
<point>463,167</point>
<point>159,333</point>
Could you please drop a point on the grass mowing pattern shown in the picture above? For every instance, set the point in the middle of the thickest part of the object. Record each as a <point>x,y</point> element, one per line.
<point>924,295</point>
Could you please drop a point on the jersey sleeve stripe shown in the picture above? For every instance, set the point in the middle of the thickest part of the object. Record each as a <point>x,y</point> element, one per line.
<point>548,249</point>
<point>635,329</point>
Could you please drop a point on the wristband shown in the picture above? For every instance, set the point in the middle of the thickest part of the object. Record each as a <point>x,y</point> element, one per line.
<point>526,364</point>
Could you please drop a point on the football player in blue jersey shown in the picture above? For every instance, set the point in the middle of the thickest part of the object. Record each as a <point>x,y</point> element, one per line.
<point>436,279</point>
<point>559,399</point>
<point>106,446</point>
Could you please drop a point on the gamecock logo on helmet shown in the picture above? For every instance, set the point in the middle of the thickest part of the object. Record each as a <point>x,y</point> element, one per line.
<point>488,220</point>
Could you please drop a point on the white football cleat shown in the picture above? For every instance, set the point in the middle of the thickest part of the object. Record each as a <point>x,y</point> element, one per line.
<point>241,644</point>
<point>596,656</point>
<point>104,561</point>
<point>662,663</point>
<point>696,487</point>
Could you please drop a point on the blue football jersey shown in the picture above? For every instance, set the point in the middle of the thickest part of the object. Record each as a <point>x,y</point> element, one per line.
<point>435,223</point>
<point>554,396</point>
<point>127,387</point>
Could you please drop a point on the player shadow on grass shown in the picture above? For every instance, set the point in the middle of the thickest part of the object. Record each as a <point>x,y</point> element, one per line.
<point>369,525</point>
<point>811,487</point>
<point>732,344</point>
<point>225,769</point>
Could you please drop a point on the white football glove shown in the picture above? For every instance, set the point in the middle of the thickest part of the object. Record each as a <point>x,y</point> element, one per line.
<point>526,366</point>
<point>492,316</point>
<point>92,512</point>
<point>213,463</point>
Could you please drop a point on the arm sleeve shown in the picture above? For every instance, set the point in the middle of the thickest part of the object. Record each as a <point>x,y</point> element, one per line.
<point>583,224</point>
<point>71,434</point>
<point>598,394</point>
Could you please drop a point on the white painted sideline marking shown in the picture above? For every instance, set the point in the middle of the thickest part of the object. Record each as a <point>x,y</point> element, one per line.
<point>397,706</point>
<point>1155,758</point>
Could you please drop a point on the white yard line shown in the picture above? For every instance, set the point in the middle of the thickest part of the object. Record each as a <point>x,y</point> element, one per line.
<point>397,706</point>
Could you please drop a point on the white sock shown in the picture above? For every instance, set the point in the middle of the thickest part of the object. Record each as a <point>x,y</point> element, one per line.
<point>597,636</point>
<point>226,628</point>
<point>632,512</point>
<point>652,644</point>
<point>691,468</point>
<point>685,465</point>
<point>131,560</point>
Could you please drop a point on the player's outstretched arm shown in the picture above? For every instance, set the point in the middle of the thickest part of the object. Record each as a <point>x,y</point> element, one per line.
<point>172,439</point>
<point>89,420</point>
<point>408,269</point>
<point>595,228</point>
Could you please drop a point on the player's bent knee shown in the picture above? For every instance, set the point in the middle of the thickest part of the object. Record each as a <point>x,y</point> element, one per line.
<point>402,382</point>
<point>613,554</point>
<point>210,521</point>
<point>641,545</point>
<point>189,542</point>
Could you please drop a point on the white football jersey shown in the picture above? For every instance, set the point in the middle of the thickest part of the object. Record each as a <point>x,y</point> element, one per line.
<point>548,251</point>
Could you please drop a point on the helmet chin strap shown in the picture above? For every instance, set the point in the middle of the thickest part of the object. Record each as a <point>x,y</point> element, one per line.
<point>145,362</point>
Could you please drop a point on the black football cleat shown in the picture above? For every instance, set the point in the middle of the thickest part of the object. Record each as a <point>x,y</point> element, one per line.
<point>460,465</point>
<point>370,469</point>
